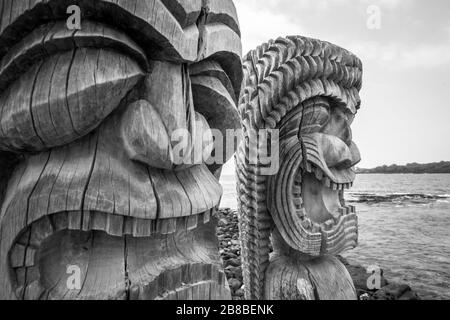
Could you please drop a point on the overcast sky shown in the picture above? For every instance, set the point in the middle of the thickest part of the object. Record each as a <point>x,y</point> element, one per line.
<point>405,112</point>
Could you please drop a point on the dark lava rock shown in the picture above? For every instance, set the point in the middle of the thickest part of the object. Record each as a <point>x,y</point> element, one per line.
<point>394,291</point>
<point>232,262</point>
<point>409,295</point>
<point>234,284</point>
<point>239,293</point>
<point>360,276</point>
<point>228,234</point>
<point>230,255</point>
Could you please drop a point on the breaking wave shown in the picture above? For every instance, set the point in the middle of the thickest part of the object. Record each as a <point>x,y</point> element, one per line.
<point>395,198</point>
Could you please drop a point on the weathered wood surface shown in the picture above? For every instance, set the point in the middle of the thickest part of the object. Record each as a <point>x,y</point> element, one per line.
<point>40,111</point>
<point>324,278</point>
<point>308,90</point>
<point>171,30</point>
<point>90,171</point>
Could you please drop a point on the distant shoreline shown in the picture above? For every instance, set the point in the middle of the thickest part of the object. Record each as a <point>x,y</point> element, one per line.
<point>402,172</point>
<point>411,168</point>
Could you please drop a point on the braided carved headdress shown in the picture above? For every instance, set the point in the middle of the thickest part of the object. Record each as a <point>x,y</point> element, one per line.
<point>308,91</point>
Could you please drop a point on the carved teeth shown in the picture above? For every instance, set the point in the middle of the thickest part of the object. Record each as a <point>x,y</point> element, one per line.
<point>296,190</point>
<point>306,223</point>
<point>327,182</point>
<point>297,202</point>
<point>329,224</point>
<point>319,174</point>
<point>316,228</point>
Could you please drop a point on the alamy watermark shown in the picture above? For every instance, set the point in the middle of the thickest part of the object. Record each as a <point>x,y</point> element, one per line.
<point>74,20</point>
<point>215,148</point>
<point>74,279</point>
<point>374,17</point>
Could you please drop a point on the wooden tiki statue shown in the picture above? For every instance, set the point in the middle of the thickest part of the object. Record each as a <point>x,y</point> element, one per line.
<point>98,199</point>
<point>307,91</point>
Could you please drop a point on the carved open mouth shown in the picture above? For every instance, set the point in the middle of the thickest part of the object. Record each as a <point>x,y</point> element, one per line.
<point>319,186</point>
<point>317,160</point>
<point>91,195</point>
<point>320,205</point>
<point>323,201</point>
<point>327,169</point>
<point>54,260</point>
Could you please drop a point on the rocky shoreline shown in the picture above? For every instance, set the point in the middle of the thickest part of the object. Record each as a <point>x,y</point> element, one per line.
<point>228,234</point>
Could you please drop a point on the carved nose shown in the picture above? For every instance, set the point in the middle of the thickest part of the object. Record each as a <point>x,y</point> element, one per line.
<point>337,154</point>
<point>356,155</point>
<point>339,126</point>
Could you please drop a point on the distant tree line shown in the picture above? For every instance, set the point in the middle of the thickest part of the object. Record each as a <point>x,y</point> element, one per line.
<point>435,167</point>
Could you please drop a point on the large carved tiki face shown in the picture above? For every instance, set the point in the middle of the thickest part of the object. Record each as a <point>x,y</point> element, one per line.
<point>307,90</point>
<point>92,174</point>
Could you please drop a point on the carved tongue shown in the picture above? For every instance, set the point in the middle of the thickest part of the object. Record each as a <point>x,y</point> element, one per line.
<point>321,203</point>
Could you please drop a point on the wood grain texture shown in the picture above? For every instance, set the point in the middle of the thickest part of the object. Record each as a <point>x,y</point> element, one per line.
<point>214,102</point>
<point>324,278</point>
<point>91,185</point>
<point>95,81</point>
<point>163,28</point>
<point>53,38</point>
<point>183,265</point>
<point>164,130</point>
<point>185,11</point>
<point>282,79</point>
<point>90,171</point>
<point>86,187</point>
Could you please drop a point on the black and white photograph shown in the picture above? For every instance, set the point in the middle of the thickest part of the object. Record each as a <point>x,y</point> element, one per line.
<point>249,152</point>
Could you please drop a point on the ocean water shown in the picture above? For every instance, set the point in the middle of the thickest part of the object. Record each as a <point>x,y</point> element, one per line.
<point>404,227</point>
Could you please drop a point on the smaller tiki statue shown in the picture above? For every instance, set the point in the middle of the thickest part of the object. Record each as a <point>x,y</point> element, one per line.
<point>304,92</point>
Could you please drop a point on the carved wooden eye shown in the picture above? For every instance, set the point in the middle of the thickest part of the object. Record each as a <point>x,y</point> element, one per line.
<point>338,125</point>
<point>57,86</point>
